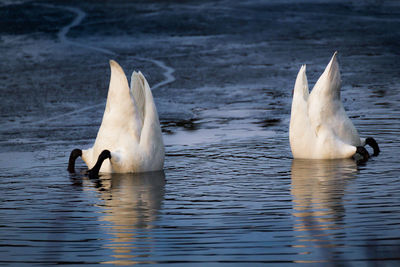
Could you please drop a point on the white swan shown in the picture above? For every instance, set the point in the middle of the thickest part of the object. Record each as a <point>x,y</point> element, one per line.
<point>319,127</point>
<point>130,134</point>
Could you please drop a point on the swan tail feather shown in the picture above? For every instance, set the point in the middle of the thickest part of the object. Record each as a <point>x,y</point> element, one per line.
<point>329,82</point>
<point>151,137</point>
<point>138,82</point>
<point>118,90</point>
<point>301,85</point>
<point>120,114</point>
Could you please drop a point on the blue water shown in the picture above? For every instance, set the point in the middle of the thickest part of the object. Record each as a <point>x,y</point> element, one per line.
<point>222,75</point>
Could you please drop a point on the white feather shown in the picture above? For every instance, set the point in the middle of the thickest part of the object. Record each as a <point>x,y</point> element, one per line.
<point>130,128</point>
<point>319,125</point>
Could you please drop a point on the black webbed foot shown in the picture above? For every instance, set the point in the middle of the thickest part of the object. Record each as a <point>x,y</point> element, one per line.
<point>94,172</point>
<point>72,158</point>
<point>372,143</point>
<point>361,151</point>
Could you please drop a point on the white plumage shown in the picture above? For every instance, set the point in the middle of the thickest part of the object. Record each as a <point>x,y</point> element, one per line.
<point>130,128</point>
<point>319,125</point>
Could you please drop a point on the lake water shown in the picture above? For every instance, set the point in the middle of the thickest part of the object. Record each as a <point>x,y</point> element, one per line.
<point>222,76</point>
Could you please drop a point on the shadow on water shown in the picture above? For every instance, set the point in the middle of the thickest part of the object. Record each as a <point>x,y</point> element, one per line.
<point>130,204</point>
<point>318,188</point>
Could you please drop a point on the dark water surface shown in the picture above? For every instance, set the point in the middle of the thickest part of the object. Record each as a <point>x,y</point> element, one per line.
<point>222,77</point>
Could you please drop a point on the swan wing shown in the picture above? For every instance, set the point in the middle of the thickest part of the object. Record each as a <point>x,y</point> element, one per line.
<point>325,105</point>
<point>300,96</point>
<point>300,90</point>
<point>139,94</point>
<point>300,135</point>
<point>324,100</point>
<point>121,118</point>
<point>328,84</point>
<point>151,141</point>
<point>146,107</point>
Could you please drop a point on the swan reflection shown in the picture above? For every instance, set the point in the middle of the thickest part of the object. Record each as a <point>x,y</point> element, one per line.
<point>131,205</point>
<point>318,188</point>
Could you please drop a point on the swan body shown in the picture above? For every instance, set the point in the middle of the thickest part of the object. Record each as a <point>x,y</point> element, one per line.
<point>319,126</point>
<point>130,128</point>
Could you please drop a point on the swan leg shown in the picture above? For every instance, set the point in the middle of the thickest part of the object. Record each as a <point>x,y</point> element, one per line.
<point>372,143</point>
<point>363,153</point>
<point>94,172</point>
<point>72,158</point>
